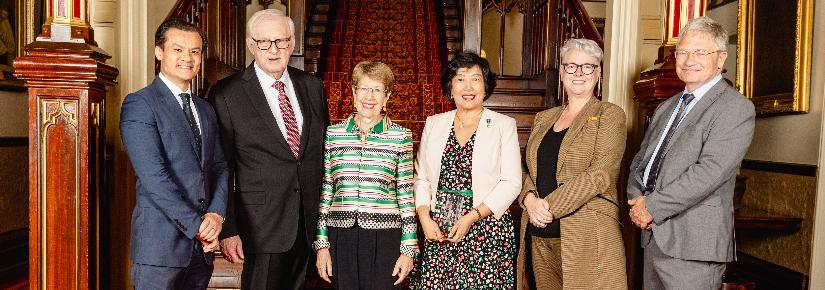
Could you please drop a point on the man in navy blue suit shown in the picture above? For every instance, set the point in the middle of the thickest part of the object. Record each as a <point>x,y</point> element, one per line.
<point>172,140</point>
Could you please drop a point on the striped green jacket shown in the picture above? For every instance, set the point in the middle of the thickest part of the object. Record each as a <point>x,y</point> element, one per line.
<point>369,182</point>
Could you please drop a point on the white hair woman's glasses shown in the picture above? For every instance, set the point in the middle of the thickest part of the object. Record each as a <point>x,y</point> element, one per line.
<point>587,68</point>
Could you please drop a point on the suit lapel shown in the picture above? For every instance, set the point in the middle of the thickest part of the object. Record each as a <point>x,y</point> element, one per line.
<point>657,130</point>
<point>256,96</point>
<point>300,88</point>
<point>174,110</point>
<point>206,130</point>
<point>535,140</point>
<point>589,110</point>
<point>693,116</point>
<point>484,134</point>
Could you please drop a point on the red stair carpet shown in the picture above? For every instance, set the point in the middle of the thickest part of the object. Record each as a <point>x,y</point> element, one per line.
<point>404,35</point>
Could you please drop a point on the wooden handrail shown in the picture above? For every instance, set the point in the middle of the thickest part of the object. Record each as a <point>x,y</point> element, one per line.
<point>580,25</point>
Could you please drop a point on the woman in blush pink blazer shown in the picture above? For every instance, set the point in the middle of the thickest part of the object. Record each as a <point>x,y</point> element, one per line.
<point>468,172</point>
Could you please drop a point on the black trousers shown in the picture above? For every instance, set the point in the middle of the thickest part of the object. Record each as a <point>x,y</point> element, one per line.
<point>286,271</point>
<point>363,259</point>
<point>194,277</point>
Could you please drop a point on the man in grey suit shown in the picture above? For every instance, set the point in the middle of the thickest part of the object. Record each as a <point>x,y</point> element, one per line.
<point>681,181</point>
<point>172,138</point>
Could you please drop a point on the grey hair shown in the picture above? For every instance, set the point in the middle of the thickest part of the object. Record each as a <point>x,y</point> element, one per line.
<point>711,28</point>
<point>268,14</point>
<point>588,46</point>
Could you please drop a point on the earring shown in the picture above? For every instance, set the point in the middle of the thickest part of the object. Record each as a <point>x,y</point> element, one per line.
<point>599,88</point>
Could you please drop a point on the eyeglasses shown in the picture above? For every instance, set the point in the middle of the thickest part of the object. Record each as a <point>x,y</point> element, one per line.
<point>699,53</point>
<point>264,44</point>
<point>365,90</point>
<point>587,68</point>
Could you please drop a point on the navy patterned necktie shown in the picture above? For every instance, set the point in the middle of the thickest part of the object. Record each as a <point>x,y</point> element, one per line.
<point>657,162</point>
<point>193,124</point>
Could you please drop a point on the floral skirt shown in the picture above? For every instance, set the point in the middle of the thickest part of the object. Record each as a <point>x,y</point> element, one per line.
<point>483,259</point>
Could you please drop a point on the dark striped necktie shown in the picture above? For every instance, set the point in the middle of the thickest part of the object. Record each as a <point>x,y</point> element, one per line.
<point>657,162</point>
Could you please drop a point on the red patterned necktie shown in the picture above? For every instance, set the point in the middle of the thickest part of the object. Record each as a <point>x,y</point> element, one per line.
<point>293,136</point>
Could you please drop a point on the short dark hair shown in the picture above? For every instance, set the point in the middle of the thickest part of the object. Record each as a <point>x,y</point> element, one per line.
<point>179,24</point>
<point>467,60</point>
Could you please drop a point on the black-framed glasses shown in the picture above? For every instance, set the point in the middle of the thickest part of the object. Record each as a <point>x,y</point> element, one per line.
<point>699,53</point>
<point>366,90</point>
<point>264,44</point>
<point>587,68</point>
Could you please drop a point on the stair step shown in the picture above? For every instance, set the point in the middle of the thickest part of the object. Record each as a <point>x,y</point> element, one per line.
<point>226,275</point>
<point>523,116</point>
<point>320,18</point>
<point>450,12</point>
<point>531,100</point>
<point>317,29</point>
<point>315,40</point>
<point>321,7</point>
<point>452,22</point>
<point>453,33</point>
<point>510,82</point>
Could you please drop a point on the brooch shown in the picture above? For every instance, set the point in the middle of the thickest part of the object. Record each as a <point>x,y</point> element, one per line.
<point>592,118</point>
<point>488,122</point>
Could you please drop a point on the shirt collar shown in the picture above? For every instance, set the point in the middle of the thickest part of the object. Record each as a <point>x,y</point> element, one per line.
<point>379,127</point>
<point>268,80</point>
<point>176,91</point>
<point>700,92</point>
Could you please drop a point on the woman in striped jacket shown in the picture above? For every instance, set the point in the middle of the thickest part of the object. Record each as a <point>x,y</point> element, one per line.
<point>366,225</point>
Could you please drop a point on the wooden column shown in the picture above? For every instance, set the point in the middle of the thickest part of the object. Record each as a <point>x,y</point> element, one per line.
<point>66,76</point>
<point>659,82</point>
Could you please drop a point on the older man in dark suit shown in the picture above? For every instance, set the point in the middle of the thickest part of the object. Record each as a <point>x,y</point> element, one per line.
<point>172,140</point>
<point>273,118</point>
<point>682,178</point>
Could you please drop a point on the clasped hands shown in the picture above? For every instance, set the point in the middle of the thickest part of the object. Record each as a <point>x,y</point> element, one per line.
<point>209,230</point>
<point>639,214</point>
<point>457,232</point>
<point>538,210</point>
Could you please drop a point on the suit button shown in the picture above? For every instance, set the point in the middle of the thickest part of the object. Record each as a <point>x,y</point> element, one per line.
<point>296,189</point>
<point>299,163</point>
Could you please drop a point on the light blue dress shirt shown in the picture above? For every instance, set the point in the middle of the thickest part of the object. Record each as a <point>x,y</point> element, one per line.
<point>697,94</point>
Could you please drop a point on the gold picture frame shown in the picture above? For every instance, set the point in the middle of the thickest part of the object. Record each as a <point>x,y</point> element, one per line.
<point>20,20</point>
<point>770,71</point>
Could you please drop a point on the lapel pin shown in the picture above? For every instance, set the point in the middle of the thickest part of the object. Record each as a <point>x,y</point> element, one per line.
<point>488,122</point>
<point>592,118</point>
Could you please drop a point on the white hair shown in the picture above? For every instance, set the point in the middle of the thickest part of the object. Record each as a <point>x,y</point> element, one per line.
<point>588,46</point>
<point>268,14</point>
<point>711,28</point>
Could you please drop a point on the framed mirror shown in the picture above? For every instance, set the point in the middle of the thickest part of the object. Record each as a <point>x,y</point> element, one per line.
<point>773,56</point>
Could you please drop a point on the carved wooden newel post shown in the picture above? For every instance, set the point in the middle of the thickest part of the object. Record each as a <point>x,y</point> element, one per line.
<point>66,76</point>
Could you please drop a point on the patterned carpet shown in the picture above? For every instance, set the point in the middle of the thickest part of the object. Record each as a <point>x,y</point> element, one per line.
<point>404,35</point>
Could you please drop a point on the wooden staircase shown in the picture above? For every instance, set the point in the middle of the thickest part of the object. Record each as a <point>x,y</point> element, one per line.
<point>520,98</point>
<point>318,26</point>
<point>452,15</point>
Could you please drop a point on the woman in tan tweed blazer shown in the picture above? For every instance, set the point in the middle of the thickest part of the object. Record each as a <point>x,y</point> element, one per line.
<point>571,237</point>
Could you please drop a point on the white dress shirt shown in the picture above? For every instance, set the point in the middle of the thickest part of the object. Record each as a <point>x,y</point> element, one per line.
<point>176,91</point>
<point>271,94</point>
